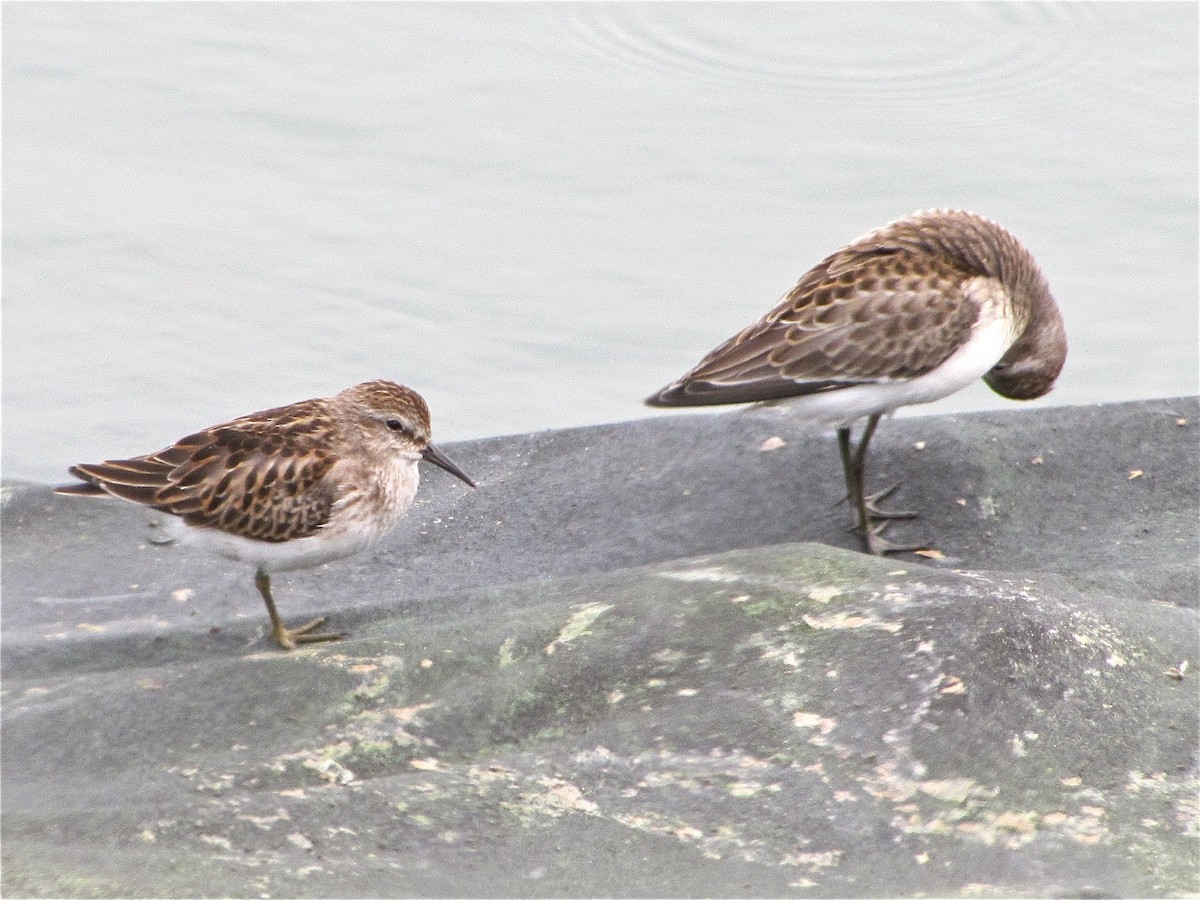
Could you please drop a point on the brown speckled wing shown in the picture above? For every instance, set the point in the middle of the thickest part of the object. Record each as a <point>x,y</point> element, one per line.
<point>262,476</point>
<point>878,310</point>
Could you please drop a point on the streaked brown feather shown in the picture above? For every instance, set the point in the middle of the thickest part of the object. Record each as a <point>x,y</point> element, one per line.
<point>83,489</point>
<point>893,305</point>
<point>262,476</point>
<point>825,329</point>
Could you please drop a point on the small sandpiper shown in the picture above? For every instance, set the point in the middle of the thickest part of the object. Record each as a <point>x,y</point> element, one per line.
<point>906,314</point>
<point>286,488</point>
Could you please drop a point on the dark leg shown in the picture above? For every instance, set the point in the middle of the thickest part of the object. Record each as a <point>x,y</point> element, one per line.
<point>854,467</point>
<point>288,638</point>
<point>852,473</point>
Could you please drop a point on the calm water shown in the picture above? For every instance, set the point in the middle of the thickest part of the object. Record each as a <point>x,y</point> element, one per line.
<point>537,214</point>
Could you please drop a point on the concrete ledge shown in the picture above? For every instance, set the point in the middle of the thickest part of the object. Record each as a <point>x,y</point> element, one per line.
<point>621,668</point>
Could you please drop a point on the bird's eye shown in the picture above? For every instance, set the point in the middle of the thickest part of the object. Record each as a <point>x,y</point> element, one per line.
<point>397,426</point>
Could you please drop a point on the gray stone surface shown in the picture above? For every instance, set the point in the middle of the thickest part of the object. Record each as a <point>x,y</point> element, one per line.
<point>642,659</point>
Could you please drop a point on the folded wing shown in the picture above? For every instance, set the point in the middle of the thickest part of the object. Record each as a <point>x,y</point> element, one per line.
<point>872,312</point>
<point>263,476</point>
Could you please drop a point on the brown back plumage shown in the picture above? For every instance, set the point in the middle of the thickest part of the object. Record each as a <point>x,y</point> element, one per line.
<point>894,304</point>
<point>261,476</point>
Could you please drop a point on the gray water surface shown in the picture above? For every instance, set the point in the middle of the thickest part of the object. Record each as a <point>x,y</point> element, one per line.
<point>537,214</point>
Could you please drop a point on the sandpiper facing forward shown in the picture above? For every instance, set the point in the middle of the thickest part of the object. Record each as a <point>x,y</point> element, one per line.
<point>286,488</point>
<point>906,314</point>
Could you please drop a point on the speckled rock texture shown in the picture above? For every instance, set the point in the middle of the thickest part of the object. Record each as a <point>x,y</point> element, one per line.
<point>642,659</point>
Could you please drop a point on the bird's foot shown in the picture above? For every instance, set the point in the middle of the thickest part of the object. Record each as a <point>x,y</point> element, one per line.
<point>877,545</point>
<point>885,514</point>
<point>874,512</point>
<point>289,638</point>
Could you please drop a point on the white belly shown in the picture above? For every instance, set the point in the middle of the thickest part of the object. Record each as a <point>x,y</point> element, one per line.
<point>988,342</point>
<point>321,547</point>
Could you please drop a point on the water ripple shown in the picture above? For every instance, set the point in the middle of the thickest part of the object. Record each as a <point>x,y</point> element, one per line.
<point>864,55</point>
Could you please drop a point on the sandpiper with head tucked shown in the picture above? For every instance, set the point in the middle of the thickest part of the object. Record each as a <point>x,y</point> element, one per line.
<point>286,488</point>
<point>908,313</point>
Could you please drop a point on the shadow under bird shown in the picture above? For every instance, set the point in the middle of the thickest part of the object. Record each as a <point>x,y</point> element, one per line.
<point>285,488</point>
<point>908,313</point>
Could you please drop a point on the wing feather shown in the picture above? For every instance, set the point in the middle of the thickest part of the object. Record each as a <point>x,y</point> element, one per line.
<point>875,311</point>
<point>263,476</point>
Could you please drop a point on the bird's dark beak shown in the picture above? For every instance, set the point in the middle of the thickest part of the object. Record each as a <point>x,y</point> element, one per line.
<point>438,458</point>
